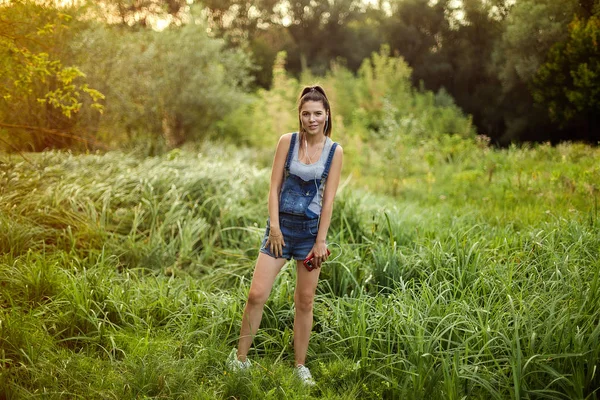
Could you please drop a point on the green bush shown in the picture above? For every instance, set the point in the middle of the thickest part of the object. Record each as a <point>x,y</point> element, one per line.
<point>41,90</point>
<point>377,116</point>
<point>165,87</point>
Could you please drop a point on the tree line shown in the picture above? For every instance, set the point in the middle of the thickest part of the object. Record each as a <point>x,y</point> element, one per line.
<point>526,70</point>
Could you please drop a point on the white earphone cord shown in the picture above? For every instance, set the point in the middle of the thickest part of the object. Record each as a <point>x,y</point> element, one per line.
<point>317,186</point>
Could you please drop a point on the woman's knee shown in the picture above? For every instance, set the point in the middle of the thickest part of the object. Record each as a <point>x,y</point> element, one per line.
<point>257,297</point>
<point>304,301</point>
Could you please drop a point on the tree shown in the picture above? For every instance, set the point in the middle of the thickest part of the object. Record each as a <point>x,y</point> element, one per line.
<point>532,27</point>
<point>253,26</point>
<point>264,46</point>
<point>139,13</point>
<point>313,34</point>
<point>417,30</point>
<point>322,32</point>
<point>567,85</point>
<point>175,84</point>
<point>449,46</point>
<point>240,20</point>
<point>530,30</point>
<point>40,96</point>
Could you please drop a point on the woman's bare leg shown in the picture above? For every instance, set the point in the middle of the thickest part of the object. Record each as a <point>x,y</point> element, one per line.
<point>265,272</point>
<point>306,286</point>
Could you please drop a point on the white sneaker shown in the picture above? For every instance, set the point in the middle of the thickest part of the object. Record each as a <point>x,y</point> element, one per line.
<point>304,375</point>
<point>236,365</point>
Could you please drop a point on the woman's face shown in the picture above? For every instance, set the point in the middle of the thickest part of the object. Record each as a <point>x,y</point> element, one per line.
<point>313,116</point>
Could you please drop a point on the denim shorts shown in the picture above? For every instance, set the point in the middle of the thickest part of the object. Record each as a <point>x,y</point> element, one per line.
<point>299,235</point>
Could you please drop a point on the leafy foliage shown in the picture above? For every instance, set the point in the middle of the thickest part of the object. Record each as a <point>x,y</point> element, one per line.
<point>175,84</point>
<point>568,84</point>
<point>168,79</point>
<point>40,96</point>
<point>483,53</point>
<point>158,87</point>
<point>377,116</point>
<point>531,28</point>
<point>138,13</point>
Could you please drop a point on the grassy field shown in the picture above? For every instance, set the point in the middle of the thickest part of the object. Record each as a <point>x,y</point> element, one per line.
<point>460,272</point>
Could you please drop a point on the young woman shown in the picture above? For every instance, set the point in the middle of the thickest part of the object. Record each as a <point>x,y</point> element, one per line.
<point>304,180</point>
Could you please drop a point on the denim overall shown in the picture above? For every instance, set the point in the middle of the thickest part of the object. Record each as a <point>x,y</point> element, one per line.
<point>298,224</point>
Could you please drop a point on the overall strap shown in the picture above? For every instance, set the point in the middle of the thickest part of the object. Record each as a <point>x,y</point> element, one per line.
<point>328,163</point>
<point>288,160</point>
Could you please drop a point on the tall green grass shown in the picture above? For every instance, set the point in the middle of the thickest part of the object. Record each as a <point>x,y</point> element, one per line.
<point>125,277</point>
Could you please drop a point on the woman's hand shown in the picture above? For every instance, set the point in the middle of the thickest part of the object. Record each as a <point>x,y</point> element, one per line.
<point>275,242</point>
<point>319,252</point>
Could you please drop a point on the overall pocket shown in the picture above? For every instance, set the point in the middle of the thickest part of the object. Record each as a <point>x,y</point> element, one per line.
<point>296,195</point>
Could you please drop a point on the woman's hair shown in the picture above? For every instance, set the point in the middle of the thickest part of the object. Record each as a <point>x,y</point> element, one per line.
<point>315,93</point>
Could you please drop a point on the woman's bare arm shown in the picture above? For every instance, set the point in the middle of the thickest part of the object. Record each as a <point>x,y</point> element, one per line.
<point>275,240</point>
<point>331,186</point>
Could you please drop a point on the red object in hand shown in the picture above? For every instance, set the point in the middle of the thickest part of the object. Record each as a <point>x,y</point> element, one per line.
<point>308,261</point>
